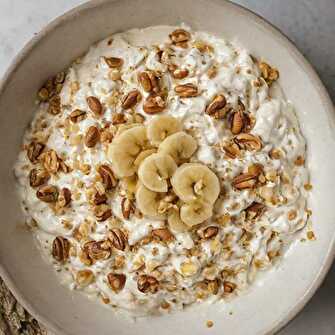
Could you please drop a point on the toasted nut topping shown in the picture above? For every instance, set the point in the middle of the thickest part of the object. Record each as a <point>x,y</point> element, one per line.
<point>85,278</point>
<point>95,105</point>
<point>163,234</point>
<point>34,150</point>
<point>147,284</point>
<point>248,142</point>
<point>47,193</point>
<point>54,105</point>
<point>60,249</point>
<point>116,281</point>
<point>50,161</point>
<point>107,175</point>
<point>131,99</point>
<point>154,104</point>
<point>97,250</point>
<point>92,136</point>
<point>180,35</point>
<point>210,232</point>
<point>99,199</point>
<point>118,118</point>
<point>77,116</point>
<point>149,81</point>
<point>127,208</point>
<point>244,181</point>
<point>232,150</point>
<point>102,212</point>
<point>186,90</point>
<point>117,238</point>
<point>178,73</point>
<point>237,122</point>
<point>255,169</point>
<point>64,198</point>
<point>299,161</point>
<point>213,286</point>
<point>229,287</point>
<point>254,211</point>
<point>38,177</point>
<point>269,73</point>
<point>114,62</point>
<point>217,103</point>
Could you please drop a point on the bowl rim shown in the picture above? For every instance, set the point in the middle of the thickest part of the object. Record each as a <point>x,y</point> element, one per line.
<point>287,42</point>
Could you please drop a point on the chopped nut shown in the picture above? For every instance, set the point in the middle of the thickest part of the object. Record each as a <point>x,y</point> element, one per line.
<point>50,161</point>
<point>275,154</point>
<point>244,181</point>
<point>117,238</point>
<point>64,198</point>
<point>108,179</point>
<point>131,99</point>
<point>269,73</point>
<point>118,118</point>
<point>116,281</point>
<point>163,234</point>
<point>95,105</point>
<point>209,324</point>
<point>180,35</point>
<point>248,142</point>
<point>97,250</point>
<point>149,81</point>
<point>102,212</point>
<point>210,232</point>
<point>92,136</point>
<point>216,104</point>
<point>311,236</point>
<point>154,104</point>
<point>232,150</point>
<point>186,90</point>
<point>254,211</point>
<point>98,198</point>
<point>300,161</point>
<point>54,105</point>
<point>292,214</point>
<point>127,208</point>
<point>308,187</point>
<point>34,150</point>
<point>229,287</point>
<point>77,115</point>
<point>60,249</point>
<point>38,177</point>
<point>85,278</point>
<point>147,284</point>
<point>114,62</point>
<point>178,73</point>
<point>47,193</point>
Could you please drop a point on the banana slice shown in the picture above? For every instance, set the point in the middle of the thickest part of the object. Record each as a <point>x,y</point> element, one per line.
<point>155,171</point>
<point>193,181</point>
<point>161,127</point>
<point>179,146</point>
<point>125,148</point>
<point>125,126</point>
<point>195,212</point>
<point>143,155</point>
<point>176,225</point>
<point>148,202</point>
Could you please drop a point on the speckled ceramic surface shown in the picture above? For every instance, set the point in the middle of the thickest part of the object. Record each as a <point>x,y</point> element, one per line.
<point>265,308</point>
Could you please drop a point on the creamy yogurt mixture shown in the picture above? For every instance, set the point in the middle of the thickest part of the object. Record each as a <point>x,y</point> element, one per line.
<point>159,171</point>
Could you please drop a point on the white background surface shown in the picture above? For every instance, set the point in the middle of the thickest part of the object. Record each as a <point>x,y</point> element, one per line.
<point>310,24</point>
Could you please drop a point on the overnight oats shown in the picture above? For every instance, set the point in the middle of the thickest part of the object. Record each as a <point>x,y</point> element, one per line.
<point>159,171</point>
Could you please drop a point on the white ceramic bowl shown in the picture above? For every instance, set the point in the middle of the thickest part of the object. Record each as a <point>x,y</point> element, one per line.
<point>284,291</point>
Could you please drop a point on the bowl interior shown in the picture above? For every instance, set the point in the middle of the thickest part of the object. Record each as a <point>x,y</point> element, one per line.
<point>281,292</point>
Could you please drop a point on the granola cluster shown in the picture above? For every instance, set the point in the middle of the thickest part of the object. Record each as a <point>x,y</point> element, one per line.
<point>156,175</point>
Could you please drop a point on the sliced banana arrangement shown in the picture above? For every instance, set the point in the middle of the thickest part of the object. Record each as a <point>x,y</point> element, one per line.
<point>158,156</point>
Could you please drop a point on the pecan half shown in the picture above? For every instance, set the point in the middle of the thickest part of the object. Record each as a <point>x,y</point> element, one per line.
<point>149,81</point>
<point>47,193</point>
<point>163,234</point>
<point>64,198</point>
<point>269,73</point>
<point>147,284</point>
<point>210,232</point>
<point>131,99</point>
<point>254,211</point>
<point>102,212</point>
<point>116,281</point>
<point>180,35</point>
<point>107,175</point>
<point>99,199</point>
<point>154,104</point>
<point>60,249</point>
<point>216,104</point>
<point>127,207</point>
<point>232,150</point>
<point>97,250</point>
<point>248,142</point>
<point>34,150</point>
<point>54,105</point>
<point>178,73</point>
<point>77,115</point>
<point>118,238</point>
<point>50,161</point>
<point>238,122</point>
<point>186,90</point>
<point>38,177</point>
<point>244,181</point>
<point>92,136</point>
<point>95,105</point>
<point>114,62</point>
